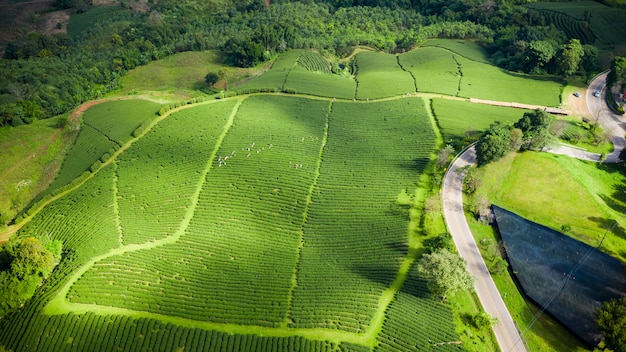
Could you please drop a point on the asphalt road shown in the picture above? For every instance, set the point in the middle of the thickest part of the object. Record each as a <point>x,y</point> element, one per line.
<point>452,193</point>
<point>505,330</point>
<point>573,152</point>
<point>610,121</point>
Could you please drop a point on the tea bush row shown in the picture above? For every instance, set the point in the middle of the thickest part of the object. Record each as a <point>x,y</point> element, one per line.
<point>159,173</point>
<point>354,229</point>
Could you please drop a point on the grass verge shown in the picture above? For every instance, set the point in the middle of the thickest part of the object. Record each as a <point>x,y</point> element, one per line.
<point>32,155</point>
<point>556,191</point>
<point>540,331</point>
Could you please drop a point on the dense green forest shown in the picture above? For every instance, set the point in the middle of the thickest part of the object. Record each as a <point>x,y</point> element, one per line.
<point>43,76</point>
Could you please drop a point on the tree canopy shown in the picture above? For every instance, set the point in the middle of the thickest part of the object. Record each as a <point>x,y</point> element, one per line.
<point>44,76</point>
<point>531,132</point>
<point>535,127</point>
<point>24,264</point>
<point>571,57</point>
<point>611,318</point>
<point>617,72</point>
<point>446,272</point>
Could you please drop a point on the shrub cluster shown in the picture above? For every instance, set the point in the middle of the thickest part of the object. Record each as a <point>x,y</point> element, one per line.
<point>24,264</point>
<point>531,132</point>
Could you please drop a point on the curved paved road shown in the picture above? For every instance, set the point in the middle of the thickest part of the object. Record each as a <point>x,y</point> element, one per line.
<point>506,333</point>
<point>505,330</point>
<point>610,121</point>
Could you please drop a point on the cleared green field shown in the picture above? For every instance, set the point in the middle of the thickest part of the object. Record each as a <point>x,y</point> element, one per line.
<point>325,85</point>
<point>435,70</point>
<point>489,82</point>
<point>465,48</point>
<point>184,71</point>
<point>31,156</point>
<point>456,118</point>
<point>583,195</point>
<point>378,75</point>
<point>83,21</point>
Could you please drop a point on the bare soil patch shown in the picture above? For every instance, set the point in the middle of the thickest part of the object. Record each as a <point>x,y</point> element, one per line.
<point>49,22</point>
<point>16,18</point>
<point>577,105</point>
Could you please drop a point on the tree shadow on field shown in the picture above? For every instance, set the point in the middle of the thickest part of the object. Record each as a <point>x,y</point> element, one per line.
<point>617,200</point>
<point>611,168</point>
<point>401,248</point>
<point>198,85</point>
<point>385,275</point>
<point>418,164</point>
<point>417,286</point>
<point>609,224</point>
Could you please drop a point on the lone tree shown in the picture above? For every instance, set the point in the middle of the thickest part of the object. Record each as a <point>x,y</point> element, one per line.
<point>611,318</point>
<point>446,273</point>
<point>535,127</point>
<point>211,78</point>
<point>494,143</point>
<point>443,156</point>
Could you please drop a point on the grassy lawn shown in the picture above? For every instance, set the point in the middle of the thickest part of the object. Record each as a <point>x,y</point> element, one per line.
<point>455,118</point>
<point>182,71</point>
<point>183,74</point>
<point>31,156</point>
<point>557,190</point>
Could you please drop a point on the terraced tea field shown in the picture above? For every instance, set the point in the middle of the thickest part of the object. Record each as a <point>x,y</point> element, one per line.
<point>106,127</point>
<point>263,222</point>
<point>379,75</point>
<point>589,21</point>
<point>251,224</point>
